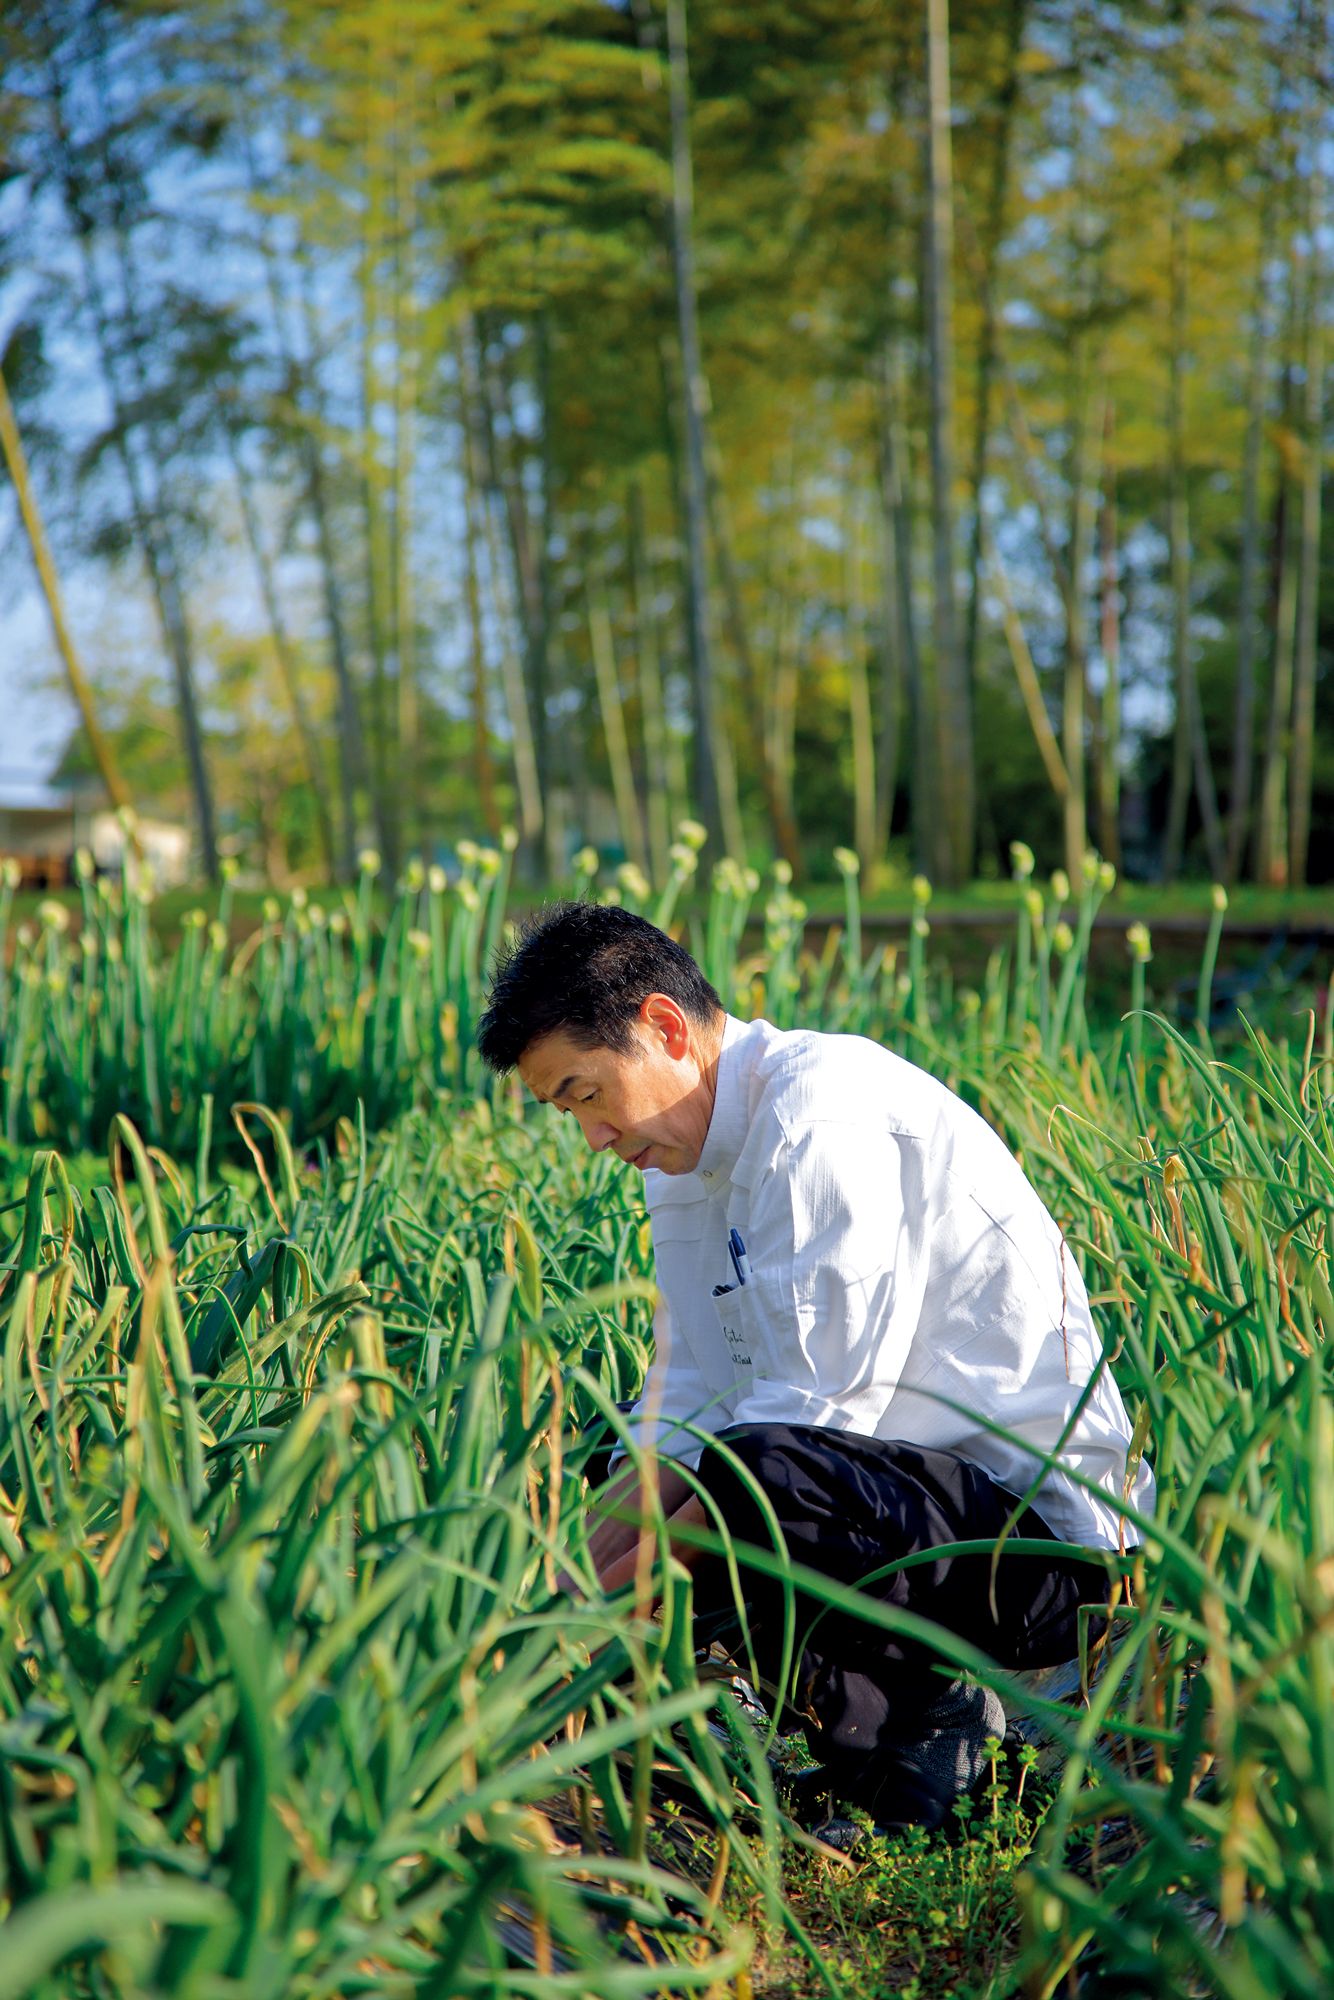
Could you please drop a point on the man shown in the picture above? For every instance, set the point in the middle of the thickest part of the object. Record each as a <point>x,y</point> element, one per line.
<point>866,1312</point>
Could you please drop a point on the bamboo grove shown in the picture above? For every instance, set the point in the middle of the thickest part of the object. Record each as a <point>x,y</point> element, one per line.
<point>850,423</point>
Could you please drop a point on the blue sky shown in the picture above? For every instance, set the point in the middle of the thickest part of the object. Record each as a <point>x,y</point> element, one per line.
<point>34,714</point>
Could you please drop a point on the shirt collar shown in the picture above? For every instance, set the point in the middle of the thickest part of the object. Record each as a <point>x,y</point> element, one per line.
<point>731,1106</point>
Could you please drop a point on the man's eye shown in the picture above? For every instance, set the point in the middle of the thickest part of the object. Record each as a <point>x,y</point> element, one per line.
<point>589,1099</point>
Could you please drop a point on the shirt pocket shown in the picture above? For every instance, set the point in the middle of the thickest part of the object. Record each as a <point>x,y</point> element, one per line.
<point>736,1324</point>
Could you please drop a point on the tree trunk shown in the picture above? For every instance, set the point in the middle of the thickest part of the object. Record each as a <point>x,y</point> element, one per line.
<point>953,823</point>
<point>1074,680</point>
<point>1243,713</point>
<point>1308,576</point>
<point>777,801</point>
<point>472,416</point>
<point>16,460</point>
<point>603,647</point>
<point>538,662</point>
<point>1270,865</point>
<point>783,714</point>
<point>713,762</point>
<point>776,661</point>
<point>354,776</point>
<point>149,520</point>
<point>530,533</point>
<point>1007,98</point>
<point>1083,428</point>
<point>1190,760</point>
<point>483,766</point>
<point>1026,674</point>
<point>861,709</point>
<point>1067,563</point>
<point>485,396</point>
<point>302,387</point>
<point>1211,825</point>
<point>779,722</point>
<point>1029,458</point>
<point>283,655</point>
<point>861,722</point>
<point>406,324</point>
<point>652,707</point>
<point>900,667</point>
<point>678,746</point>
<point>386,786</point>
<point>1107,765</point>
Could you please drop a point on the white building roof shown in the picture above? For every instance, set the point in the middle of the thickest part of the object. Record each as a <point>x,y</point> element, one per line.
<point>31,798</point>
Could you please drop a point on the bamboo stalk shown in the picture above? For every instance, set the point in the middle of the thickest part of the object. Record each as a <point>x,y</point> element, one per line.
<point>613,726</point>
<point>652,708</point>
<point>1302,763</point>
<point>16,461</point>
<point>1107,776</point>
<point>1026,675</point>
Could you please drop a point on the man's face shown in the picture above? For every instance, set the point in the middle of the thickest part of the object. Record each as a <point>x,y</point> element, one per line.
<point>651,1106</point>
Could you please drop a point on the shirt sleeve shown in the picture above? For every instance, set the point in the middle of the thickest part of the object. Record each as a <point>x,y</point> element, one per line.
<point>838,1243</point>
<point>674,1393</point>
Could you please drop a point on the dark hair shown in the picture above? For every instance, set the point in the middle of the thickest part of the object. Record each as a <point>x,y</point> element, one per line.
<point>586,968</point>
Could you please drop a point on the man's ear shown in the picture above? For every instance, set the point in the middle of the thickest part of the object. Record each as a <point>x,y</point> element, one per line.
<point>662,1016</point>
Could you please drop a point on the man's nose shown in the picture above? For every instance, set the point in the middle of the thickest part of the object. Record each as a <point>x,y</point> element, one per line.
<point>600,1136</point>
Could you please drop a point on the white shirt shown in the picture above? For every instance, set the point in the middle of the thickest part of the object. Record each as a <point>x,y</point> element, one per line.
<point>904,1280</point>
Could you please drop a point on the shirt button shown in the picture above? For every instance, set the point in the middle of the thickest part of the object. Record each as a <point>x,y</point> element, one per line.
<point>707,1174</point>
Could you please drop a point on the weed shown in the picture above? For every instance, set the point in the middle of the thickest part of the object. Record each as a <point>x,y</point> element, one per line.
<point>915,1916</point>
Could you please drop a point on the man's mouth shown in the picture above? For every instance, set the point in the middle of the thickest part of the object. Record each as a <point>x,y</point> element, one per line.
<point>638,1159</point>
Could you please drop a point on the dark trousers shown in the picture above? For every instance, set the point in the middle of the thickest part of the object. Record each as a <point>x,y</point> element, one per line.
<point>846,1505</point>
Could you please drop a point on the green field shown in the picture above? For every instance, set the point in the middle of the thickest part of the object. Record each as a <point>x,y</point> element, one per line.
<point>308,1331</point>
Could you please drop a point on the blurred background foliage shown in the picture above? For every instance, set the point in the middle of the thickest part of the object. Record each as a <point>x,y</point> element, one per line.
<point>892,425</point>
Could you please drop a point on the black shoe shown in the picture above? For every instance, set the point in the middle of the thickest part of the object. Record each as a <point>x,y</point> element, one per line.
<point>917,1781</point>
<point>744,1702</point>
<point>898,1799</point>
<point>809,1801</point>
<point>975,1804</point>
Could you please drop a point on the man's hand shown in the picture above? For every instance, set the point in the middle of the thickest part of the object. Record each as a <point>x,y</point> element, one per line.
<point>621,1570</point>
<point>625,1510</point>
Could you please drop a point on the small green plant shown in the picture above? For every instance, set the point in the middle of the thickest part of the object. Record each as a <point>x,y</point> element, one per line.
<point>918,1914</point>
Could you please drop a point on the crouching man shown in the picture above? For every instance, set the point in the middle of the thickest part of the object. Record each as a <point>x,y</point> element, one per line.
<point>865,1301</point>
